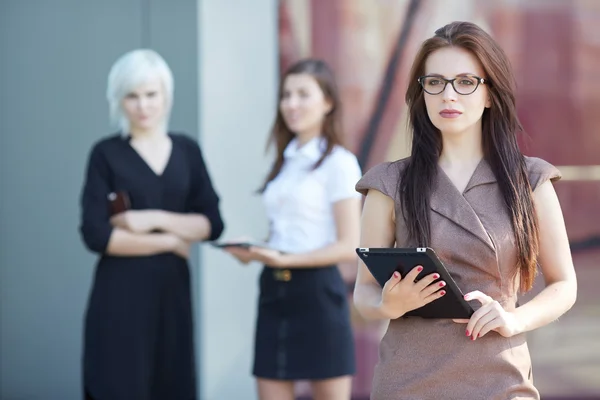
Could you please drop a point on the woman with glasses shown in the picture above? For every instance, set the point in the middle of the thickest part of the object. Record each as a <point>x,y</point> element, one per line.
<point>489,212</point>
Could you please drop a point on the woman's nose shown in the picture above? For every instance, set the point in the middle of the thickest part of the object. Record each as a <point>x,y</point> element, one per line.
<point>449,94</point>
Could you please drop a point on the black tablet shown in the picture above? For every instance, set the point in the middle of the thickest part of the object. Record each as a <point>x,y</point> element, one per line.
<point>382,262</point>
<point>242,244</point>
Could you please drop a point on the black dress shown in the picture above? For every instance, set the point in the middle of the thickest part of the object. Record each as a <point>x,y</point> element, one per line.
<point>138,340</point>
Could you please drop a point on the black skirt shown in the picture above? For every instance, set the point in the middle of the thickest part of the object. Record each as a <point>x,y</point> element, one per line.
<point>303,331</point>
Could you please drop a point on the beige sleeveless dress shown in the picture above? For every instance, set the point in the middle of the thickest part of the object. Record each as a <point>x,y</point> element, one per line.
<point>472,233</point>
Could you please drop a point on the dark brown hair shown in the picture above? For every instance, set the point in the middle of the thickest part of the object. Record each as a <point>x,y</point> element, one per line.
<point>500,126</point>
<point>281,135</point>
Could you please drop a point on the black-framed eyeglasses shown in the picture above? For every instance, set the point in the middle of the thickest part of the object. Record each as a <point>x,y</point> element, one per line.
<point>464,84</point>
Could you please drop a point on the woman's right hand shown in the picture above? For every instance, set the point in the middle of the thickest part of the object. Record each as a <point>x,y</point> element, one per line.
<point>178,245</point>
<point>243,255</point>
<point>401,295</point>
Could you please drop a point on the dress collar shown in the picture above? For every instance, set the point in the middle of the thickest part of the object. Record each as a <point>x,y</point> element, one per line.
<point>312,150</point>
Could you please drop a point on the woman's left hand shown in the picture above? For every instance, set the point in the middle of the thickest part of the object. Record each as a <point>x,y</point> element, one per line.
<point>490,317</point>
<point>137,221</point>
<point>270,257</point>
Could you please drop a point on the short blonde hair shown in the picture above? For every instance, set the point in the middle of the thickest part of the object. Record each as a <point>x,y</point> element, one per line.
<point>131,70</point>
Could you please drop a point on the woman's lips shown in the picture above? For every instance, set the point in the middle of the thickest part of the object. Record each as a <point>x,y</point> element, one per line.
<point>450,113</point>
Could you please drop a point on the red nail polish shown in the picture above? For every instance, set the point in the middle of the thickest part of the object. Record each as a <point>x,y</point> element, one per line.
<point>473,338</point>
<point>396,274</point>
<point>442,292</point>
<point>442,284</point>
<point>419,268</point>
<point>436,276</point>
<point>468,333</point>
<point>479,335</point>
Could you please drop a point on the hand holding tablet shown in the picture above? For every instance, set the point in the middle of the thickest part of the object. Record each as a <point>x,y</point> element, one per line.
<point>246,250</point>
<point>413,280</point>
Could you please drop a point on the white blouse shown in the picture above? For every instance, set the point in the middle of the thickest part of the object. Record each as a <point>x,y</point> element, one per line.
<point>299,201</point>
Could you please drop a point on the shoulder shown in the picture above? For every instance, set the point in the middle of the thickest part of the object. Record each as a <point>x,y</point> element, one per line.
<point>188,144</point>
<point>341,157</point>
<point>540,171</point>
<point>183,140</point>
<point>389,168</point>
<point>383,177</point>
<point>107,145</point>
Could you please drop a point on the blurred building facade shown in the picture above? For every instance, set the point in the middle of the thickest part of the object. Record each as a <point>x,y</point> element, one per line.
<point>554,47</point>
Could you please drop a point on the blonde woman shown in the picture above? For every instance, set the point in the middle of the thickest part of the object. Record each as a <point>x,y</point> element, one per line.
<point>146,197</point>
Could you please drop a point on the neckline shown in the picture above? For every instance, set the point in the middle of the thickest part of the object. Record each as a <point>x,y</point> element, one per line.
<point>145,163</point>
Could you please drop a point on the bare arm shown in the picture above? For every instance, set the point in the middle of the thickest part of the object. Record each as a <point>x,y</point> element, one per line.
<point>557,266</point>
<point>555,262</point>
<point>189,227</point>
<point>347,220</point>
<point>342,171</point>
<point>377,230</point>
<point>125,243</point>
<point>96,228</point>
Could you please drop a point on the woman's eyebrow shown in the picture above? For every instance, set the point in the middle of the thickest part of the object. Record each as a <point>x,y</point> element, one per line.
<point>442,76</point>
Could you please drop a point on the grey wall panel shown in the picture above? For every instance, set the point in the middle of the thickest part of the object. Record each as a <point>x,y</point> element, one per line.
<point>238,100</point>
<point>54,59</point>
<point>173,33</point>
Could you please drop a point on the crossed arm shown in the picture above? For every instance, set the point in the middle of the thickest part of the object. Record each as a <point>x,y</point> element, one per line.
<point>132,232</point>
<point>147,232</point>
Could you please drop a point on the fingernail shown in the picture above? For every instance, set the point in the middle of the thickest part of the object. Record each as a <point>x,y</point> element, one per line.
<point>436,276</point>
<point>442,292</point>
<point>396,274</point>
<point>468,333</point>
<point>419,268</point>
<point>442,284</point>
<point>473,338</point>
<point>466,297</point>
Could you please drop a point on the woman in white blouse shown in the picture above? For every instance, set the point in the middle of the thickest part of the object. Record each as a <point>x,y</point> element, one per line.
<point>303,330</point>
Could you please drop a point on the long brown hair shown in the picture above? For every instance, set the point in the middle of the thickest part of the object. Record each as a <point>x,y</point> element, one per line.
<point>500,126</point>
<point>281,135</point>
